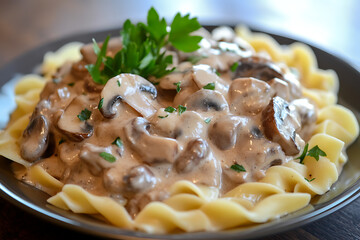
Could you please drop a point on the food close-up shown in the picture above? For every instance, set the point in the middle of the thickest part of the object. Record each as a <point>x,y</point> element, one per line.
<point>171,127</point>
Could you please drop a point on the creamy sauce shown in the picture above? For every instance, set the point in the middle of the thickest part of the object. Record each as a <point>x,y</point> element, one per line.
<point>255,117</point>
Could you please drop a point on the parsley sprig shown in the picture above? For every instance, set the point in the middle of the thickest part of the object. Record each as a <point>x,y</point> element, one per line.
<point>238,168</point>
<point>314,152</point>
<point>143,47</point>
<point>84,114</point>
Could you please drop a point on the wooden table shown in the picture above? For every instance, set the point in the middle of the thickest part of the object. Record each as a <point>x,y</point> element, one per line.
<point>331,25</point>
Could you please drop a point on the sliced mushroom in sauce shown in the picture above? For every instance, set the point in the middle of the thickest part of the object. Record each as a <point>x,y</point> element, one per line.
<point>35,139</point>
<point>90,154</point>
<point>139,179</point>
<point>248,96</point>
<point>132,89</point>
<point>195,152</point>
<point>206,100</point>
<point>152,149</point>
<point>69,122</point>
<point>280,125</point>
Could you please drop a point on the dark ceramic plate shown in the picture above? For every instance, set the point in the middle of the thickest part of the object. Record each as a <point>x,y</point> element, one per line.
<point>345,190</point>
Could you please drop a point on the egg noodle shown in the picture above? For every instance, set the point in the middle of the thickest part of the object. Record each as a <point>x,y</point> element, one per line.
<point>284,189</point>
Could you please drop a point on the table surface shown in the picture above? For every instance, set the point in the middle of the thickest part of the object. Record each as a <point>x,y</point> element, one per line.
<point>328,24</point>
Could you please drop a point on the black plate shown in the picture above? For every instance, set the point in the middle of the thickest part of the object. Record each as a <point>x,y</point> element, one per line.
<point>345,190</point>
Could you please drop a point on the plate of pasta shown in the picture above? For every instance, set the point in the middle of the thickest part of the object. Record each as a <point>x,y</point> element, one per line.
<point>180,131</point>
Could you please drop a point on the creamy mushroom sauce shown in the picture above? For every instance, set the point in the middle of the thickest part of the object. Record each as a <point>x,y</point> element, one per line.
<point>255,117</point>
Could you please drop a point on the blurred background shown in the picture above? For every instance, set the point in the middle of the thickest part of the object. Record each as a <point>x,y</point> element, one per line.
<point>332,25</point>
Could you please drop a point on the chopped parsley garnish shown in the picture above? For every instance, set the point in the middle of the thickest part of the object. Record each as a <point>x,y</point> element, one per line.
<point>207,121</point>
<point>118,142</point>
<point>163,116</point>
<point>234,66</point>
<point>84,115</point>
<point>314,152</point>
<point>61,141</point>
<point>119,83</point>
<point>181,109</point>
<point>170,109</point>
<point>101,102</point>
<point>210,86</point>
<point>217,73</point>
<point>238,168</point>
<point>108,157</point>
<point>71,84</point>
<point>310,179</point>
<point>178,89</point>
<point>143,43</point>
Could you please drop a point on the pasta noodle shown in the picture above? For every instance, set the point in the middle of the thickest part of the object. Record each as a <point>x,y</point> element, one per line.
<point>284,189</point>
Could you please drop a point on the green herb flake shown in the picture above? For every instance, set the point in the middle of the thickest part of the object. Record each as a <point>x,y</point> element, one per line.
<point>310,179</point>
<point>170,109</point>
<point>315,152</point>
<point>238,168</point>
<point>118,142</point>
<point>210,86</point>
<point>101,102</point>
<point>71,84</point>
<point>108,157</point>
<point>61,141</point>
<point>118,83</point>
<point>178,89</point>
<point>181,109</point>
<point>163,116</point>
<point>84,115</point>
<point>303,154</point>
<point>207,121</point>
<point>217,73</point>
<point>234,66</point>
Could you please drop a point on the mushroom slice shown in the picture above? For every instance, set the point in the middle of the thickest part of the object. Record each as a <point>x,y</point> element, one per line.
<point>139,179</point>
<point>248,96</point>
<point>152,149</point>
<point>69,122</point>
<point>258,67</point>
<point>204,74</point>
<point>223,133</point>
<point>196,151</point>
<point>206,100</point>
<point>182,74</point>
<point>136,91</point>
<point>90,154</point>
<point>35,139</point>
<point>280,125</point>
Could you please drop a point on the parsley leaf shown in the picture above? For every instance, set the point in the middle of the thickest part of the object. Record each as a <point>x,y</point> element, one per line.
<point>143,48</point>
<point>84,115</point>
<point>163,116</point>
<point>181,109</point>
<point>94,70</point>
<point>310,179</point>
<point>71,84</point>
<point>234,66</point>
<point>238,168</point>
<point>61,141</point>
<point>303,154</point>
<point>180,37</point>
<point>170,109</point>
<point>178,88</point>
<point>101,102</point>
<point>108,157</point>
<point>315,152</point>
<point>210,86</point>
<point>207,121</point>
<point>118,142</point>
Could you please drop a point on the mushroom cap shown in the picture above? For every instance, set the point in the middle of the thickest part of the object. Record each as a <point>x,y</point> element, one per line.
<point>71,125</point>
<point>151,148</point>
<point>206,100</point>
<point>35,139</point>
<point>248,96</point>
<point>132,89</point>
